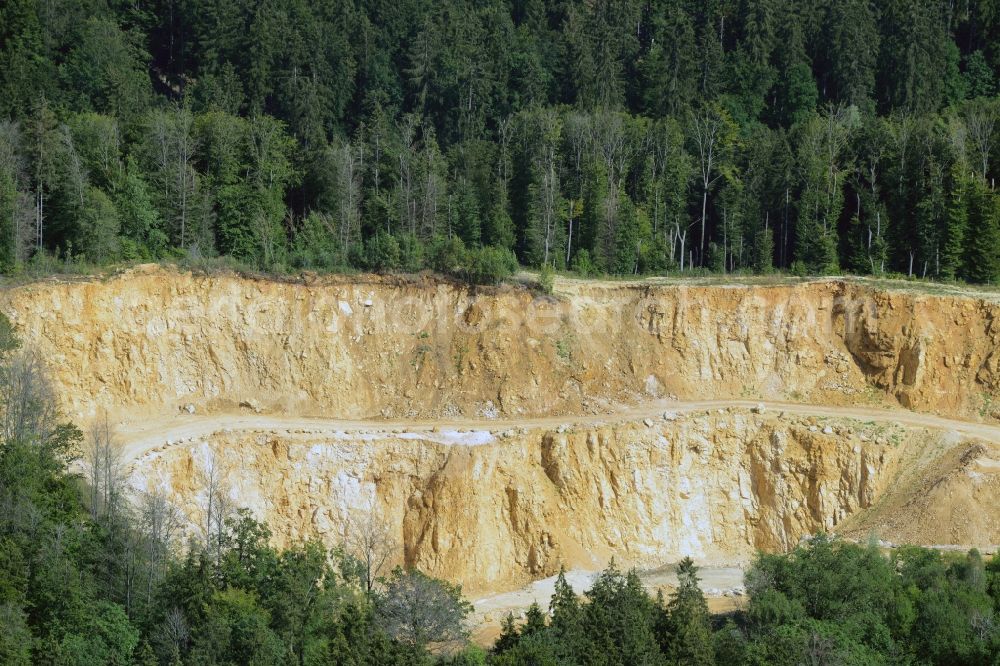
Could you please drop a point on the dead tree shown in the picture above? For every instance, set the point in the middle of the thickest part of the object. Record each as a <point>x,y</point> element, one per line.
<point>371,542</point>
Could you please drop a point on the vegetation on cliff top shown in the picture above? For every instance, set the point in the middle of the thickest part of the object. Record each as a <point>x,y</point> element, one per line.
<point>618,137</point>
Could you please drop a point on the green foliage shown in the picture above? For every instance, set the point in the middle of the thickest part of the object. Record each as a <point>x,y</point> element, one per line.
<point>417,610</point>
<point>96,583</point>
<point>106,637</point>
<point>546,279</point>
<point>314,246</point>
<point>800,93</point>
<point>15,635</point>
<point>140,220</point>
<point>763,251</point>
<point>826,602</point>
<point>412,253</point>
<point>382,253</point>
<point>99,227</point>
<point>864,608</point>
<point>489,265</point>
<point>582,263</point>
<point>236,631</point>
<point>8,337</point>
<point>619,619</point>
<point>980,80</point>
<point>956,222</point>
<point>107,68</point>
<point>448,255</point>
<point>688,635</point>
<point>982,258</point>
<point>308,136</point>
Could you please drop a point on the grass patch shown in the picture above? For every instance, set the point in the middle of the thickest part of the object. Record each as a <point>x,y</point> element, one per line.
<point>564,347</point>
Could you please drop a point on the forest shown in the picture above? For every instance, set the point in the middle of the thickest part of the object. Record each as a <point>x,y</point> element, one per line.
<point>93,573</point>
<point>618,137</point>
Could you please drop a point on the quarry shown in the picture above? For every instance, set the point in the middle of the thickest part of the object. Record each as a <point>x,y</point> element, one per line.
<point>503,433</point>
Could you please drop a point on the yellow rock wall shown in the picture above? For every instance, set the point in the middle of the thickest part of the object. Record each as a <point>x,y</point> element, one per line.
<point>152,340</point>
<point>714,486</point>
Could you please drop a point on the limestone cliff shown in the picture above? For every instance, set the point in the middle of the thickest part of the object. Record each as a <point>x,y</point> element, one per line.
<point>152,340</point>
<point>499,506</point>
<point>509,507</point>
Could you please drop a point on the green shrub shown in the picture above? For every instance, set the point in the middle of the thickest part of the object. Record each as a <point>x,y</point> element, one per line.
<point>546,279</point>
<point>382,253</point>
<point>412,256</point>
<point>447,254</point>
<point>489,265</point>
<point>716,258</point>
<point>315,246</point>
<point>583,265</point>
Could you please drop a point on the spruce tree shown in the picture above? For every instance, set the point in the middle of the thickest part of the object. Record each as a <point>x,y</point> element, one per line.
<point>534,620</point>
<point>566,625</point>
<point>690,633</point>
<point>509,635</point>
<point>982,263</point>
<point>956,222</point>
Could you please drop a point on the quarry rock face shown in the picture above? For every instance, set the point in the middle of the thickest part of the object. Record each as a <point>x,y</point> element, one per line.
<point>156,341</point>
<point>496,514</point>
<point>495,507</point>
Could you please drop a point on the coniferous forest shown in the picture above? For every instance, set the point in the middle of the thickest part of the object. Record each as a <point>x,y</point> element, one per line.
<point>614,136</point>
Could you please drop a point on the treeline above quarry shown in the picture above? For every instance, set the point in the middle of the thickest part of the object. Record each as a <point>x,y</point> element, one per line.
<point>616,137</point>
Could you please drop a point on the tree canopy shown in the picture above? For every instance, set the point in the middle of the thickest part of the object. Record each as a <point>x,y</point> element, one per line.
<point>621,137</point>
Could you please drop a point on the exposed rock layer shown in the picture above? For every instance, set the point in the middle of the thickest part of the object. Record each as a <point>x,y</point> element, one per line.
<point>518,505</point>
<point>153,340</point>
<point>714,486</point>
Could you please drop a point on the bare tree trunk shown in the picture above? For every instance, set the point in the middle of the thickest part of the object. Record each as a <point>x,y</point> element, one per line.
<point>683,239</point>
<point>704,208</point>
<point>107,477</point>
<point>729,251</point>
<point>371,541</point>
<point>569,236</point>
<point>160,521</point>
<point>217,507</point>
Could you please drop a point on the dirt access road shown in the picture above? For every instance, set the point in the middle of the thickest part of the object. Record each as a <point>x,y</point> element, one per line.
<point>141,437</point>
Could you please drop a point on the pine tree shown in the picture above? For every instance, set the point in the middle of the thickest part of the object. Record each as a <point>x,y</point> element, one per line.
<point>567,626</point>
<point>145,656</point>
<point>509,635</point>
<point>955,224</point>
<point>464,211</point>
<point>852,51</point>
<point>982,249</point>
<point>796,94</point>
<point>980,81</point>
<point>919,65</point>
<point>564,608</point>
<point>669,71</point>
<point>763,250</point>
<point>690,632</point>
<point>534,620</point>
<point>931,218</point>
